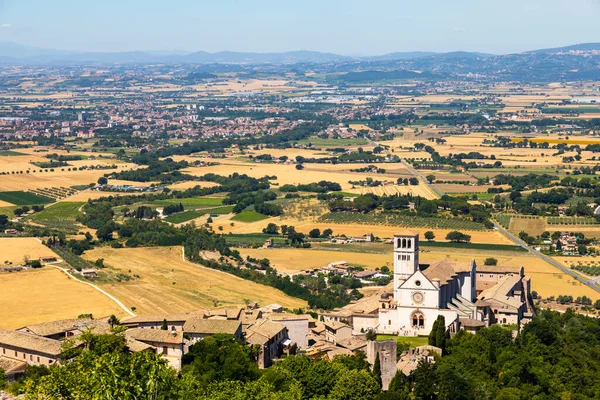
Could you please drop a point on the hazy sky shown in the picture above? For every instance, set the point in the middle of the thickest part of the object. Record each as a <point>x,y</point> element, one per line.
<point>342,26</point>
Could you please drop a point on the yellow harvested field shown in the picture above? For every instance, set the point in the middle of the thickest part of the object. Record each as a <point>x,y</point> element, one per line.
<point>13,249</point>
<point>546,279</point>
<point>191,184</point>
<point>167,284</point>
<point>5,204</point>
<point>359,127</point>
<point>58,178</point>
<point>553,140</point>
<point>294,260</point>
<point>286,174</point>
<point>47,294</point>
<point>382,231</point>
<point>390,190</point>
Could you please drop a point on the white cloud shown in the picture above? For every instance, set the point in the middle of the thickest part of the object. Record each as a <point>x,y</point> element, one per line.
<point>459,29</point>
<point>5,25</point>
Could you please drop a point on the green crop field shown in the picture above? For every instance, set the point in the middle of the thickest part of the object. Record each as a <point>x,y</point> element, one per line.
<point>23,198</point>
<point>475,246</point>
<point>503,219</point>
<point>66,210</point>
<point>193,214</point>
<point>8,153</point>
<point>192,202</point>
<point>315,141</point>
<point>249,216</point>
<point>571,221</point>
<point>252,239</point>
<point>401,220</point>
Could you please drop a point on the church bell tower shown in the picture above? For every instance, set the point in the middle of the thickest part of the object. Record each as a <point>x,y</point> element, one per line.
<point>406,257</point>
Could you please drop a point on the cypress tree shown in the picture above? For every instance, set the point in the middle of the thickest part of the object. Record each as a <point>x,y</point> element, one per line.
<point>431,340</point>
<point>377,370</point>
<point>440,336</point>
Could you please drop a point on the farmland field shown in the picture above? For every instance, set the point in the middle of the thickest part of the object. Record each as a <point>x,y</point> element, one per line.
<point>189,215</point>
<point>401,220</point>
<point>20,198</point>
<point>169,285</point>
<point>10,153</point>
<point>47,294</point>
<point>294,260</point>
<point>65,210</point>
<point>249,216</point>
<point>13,249</point>
<point>192,202</point>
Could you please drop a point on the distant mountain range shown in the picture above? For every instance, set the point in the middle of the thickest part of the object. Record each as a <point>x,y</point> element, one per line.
<point>20,54</point>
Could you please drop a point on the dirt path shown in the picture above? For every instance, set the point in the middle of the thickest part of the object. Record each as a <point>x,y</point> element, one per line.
<point>110,296</point>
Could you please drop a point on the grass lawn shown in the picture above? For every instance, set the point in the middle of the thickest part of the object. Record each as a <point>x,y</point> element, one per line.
<point>60,211</point>
<point>7,153</point>
<point>21,198</point>
<point>414,341</point>
<point>249,216</point>
<point>192,202</point>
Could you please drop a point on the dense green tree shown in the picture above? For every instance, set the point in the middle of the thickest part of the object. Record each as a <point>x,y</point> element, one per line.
<point>377,370</point>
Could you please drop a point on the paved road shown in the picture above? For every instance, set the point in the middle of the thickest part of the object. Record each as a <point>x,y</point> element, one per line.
<point>421,177</point>
<point>591,283</point>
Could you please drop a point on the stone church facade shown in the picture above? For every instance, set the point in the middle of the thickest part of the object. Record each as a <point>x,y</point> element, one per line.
<point>419,296</point>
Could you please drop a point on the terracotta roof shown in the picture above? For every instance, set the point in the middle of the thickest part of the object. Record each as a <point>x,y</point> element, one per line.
<point>288,317</point>
<point>262,331</point>
<point>498,269</point>
<point>335,325</point>
<point>56,327</point>
<point>353,343</point>
<point>136,346</point>
<point>500,294</point>
<point>155,335</point>
<point>9,365</point>
<point>158,318</point>
<point>338,351</point>
<point>28,341</point>
<point>211,326</point>
<point>229,312</point>
<point>471,323</point>
<point>406,232</point>
<point>445,269</point>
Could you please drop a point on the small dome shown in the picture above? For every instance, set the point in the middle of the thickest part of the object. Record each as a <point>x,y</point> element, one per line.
<point>385,296</point>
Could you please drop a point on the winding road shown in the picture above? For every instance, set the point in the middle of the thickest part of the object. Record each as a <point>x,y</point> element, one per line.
<point>591,282</point>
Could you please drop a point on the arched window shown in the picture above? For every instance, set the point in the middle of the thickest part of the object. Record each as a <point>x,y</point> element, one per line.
<point>418,320</point>
<point>403,243</point>
<point>409,242</point>
<point>389,321</point>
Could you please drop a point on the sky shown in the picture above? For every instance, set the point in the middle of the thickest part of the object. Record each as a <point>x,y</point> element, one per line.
<point>348,27</point>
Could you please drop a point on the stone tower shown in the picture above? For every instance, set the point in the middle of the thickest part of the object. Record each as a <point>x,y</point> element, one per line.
<point>406,257</point>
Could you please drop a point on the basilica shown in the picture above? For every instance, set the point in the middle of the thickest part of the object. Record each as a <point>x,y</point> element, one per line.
<point>469,297</point>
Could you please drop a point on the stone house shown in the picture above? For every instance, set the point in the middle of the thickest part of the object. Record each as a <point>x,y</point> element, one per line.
<point>198,328</point>
<point>168,344</point>
<point>29,348</point>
